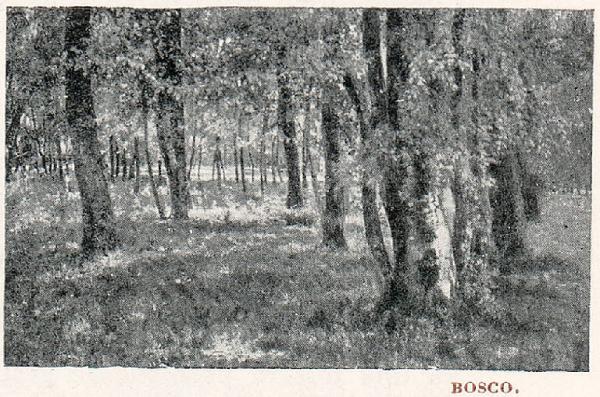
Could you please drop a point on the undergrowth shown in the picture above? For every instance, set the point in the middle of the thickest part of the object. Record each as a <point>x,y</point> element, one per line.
<point>246,283</point>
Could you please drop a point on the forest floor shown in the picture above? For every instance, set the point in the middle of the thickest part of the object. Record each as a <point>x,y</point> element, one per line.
<point>236,287</point>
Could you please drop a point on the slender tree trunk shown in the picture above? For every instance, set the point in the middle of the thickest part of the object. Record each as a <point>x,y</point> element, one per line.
<point>273,160</point>
<point>99,234</point>
<point>242,166</point>
<point>117,160</point>
<point>171,134</point>
<point>124,168</point>
<point>263,172</point>
<point>333,214</point>
<point>136,160</point>
<point>60,159</point>
<point>192,155</point>
<point>251,159</point>
<point>191,166</point>
<point>199,165</point>
<point>131,171</point>
<point>305,134</point>
<point>217,162</point>
<point>235,156</point>
<point>145,119</point>
<point>111,149</point>
<point>286,128</point>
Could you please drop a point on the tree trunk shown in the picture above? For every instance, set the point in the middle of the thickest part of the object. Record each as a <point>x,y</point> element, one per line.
<point>263,172</point>
<point>333,214</point>
<point>251,159</point>
<point>191,165</point>
<point>235,156</point>
<point>286,127</point>
<point>242,166</point>
<point>61,174</point>
<point>117,160</point>
<point>136,160</point>
<point>472,241</point>
<point>144,106</point>
<point>124,168</point>
<point>508,208</point>
<point>273,160</point>
<point>170,116</point>
<point>217,162</point>
<point>369,118</point>
<point>99,234</point>
<point>403,288</point>
<point>305,134</point>
<point>199,165</point>
<point>111,149</point>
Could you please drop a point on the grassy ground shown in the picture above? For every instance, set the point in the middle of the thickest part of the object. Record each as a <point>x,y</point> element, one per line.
<point>236,287</point>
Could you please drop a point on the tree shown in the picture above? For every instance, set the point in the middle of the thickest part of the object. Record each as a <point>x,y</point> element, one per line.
<point>369,119</point>
<point>99,234</point>
<point>171,133</point>
<point>333,214</point>
<point>287,129</point>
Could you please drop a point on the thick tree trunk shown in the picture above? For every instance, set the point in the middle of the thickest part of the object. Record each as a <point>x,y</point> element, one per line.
<point>286,128</point>
<point>333,214</point>
<point>508,208</point>
<point>99,234</point>
<point>472,241</point>
<point>369,118</point>
<point>170,117</point>
<point>531,184</point>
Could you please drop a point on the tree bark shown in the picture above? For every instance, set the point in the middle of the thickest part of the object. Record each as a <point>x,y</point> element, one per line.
<point>333,214</point>
<point>170,116</point>
<point>508,208</point>
<point>286,128</point>
<point>99,233</point>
